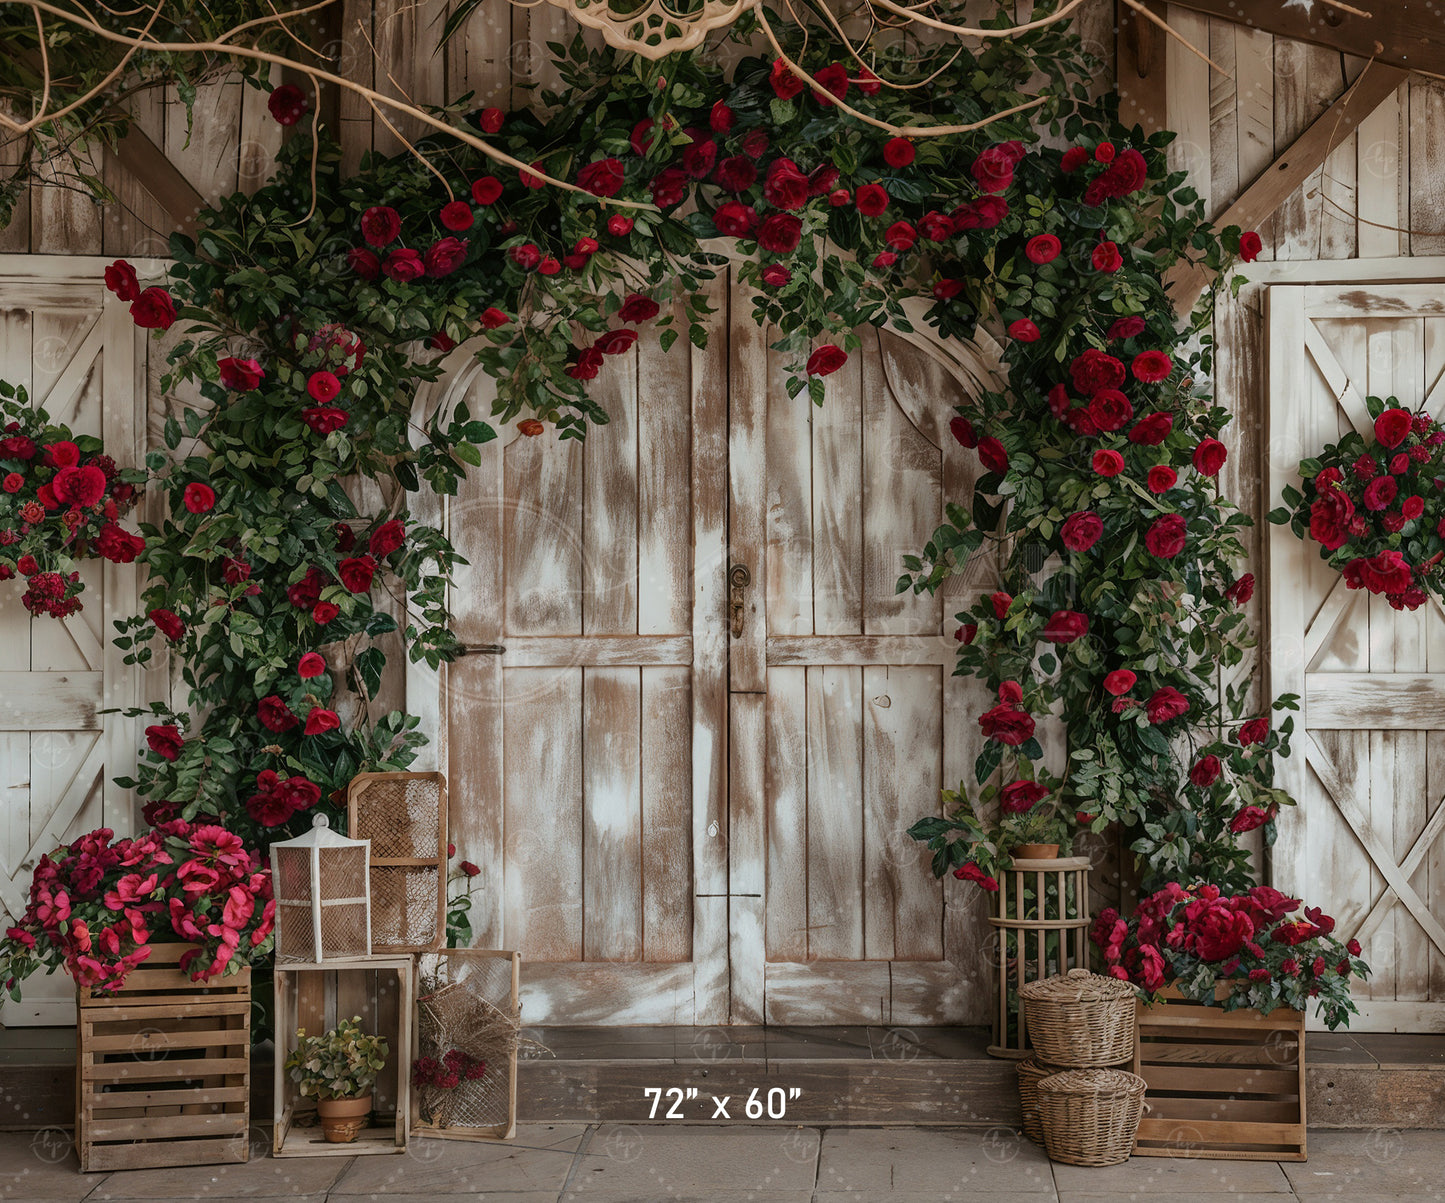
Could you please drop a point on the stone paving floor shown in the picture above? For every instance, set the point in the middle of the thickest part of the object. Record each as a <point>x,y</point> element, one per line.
<point>555,1163</point>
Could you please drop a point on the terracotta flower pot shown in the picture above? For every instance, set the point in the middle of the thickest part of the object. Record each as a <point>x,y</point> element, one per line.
<point>342,1120</point>
<point>1036,851</point>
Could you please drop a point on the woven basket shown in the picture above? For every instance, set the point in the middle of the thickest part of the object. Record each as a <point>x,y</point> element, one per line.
<point>1090,1116</point>
<point>1082,1020</point>
<point>1031,1070</point>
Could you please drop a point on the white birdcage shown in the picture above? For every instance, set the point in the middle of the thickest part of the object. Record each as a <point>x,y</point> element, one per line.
<point>323,907</point>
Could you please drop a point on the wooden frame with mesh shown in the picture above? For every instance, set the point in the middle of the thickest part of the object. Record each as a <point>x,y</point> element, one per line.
<point>404,815</point>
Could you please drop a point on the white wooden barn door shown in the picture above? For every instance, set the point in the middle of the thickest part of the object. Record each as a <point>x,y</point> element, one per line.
<point>1368,766</point>
<point>72,346</point>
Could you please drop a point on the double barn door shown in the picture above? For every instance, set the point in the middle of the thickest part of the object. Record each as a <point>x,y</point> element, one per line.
<point>696,719</point>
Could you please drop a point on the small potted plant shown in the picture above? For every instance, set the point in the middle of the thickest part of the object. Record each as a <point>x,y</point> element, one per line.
<point>337,1069</point>
<point>1030,825</point>
<point>1035,835</point>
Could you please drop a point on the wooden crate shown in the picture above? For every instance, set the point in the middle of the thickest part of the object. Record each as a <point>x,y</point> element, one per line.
<point>315,997</point>
<point>1222,1084</point>
<point>493,975</point>
<point>404,815</point>
<point>163,1069</point>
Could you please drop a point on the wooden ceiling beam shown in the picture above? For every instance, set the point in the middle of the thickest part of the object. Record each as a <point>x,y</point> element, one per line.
<point>1397,33</point>
<point>1282,177</point>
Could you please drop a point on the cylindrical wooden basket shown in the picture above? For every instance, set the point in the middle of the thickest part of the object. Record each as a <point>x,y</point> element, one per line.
<point>1090,1116</point>
<point>1031,1071</point>
<point>1080,1019</point>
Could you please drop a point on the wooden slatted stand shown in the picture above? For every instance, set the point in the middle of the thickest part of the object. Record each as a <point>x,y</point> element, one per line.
<point>1228,1085</point>
<point>380,990</point>
<point>163,1069</point>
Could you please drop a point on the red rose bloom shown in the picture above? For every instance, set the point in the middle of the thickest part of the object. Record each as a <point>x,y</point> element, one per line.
<point>971,872</point>
<point>457,215</point>
<point>492,318</point>
<point>287,104</point>
<point>241,375</point>
<point>1247,818</point>
<point>1216,931</point>
<point>323,387</point>
<point>121,279</point>
<point>1250,246</point>
<point>786,186</point>
<point>1165,537</point>
<point>168,623</point>
<point>898,152</point>
<point>27,565</point>
<point>117,545</point>
<point>153,309</point>
<point>735,219</point>
<point>1106,257</point>
<point>356,573</point>
<point>947,289</point>
<point>1042,248</point>
<point>1330,515</point>
<point>14,482</point>
<point>736,174</point>
<point>526,256</point>
<point>1209,457</point>
<point>1064,626</point>
<point>1094,370</point>
<point>1023,331</point>
<point>871,200</point>
<point>386,538</point>
<point>324,419</point>
<point>1110,410</point>
<point>785,84</point>
<point>780,233</point>
<point>589,362</point>
<point>363,262</point>
<point>1152,429</point>
<point>487,190</point>
<point>199,498</point>
<point>900,236</point>
<point>982,214</point>
<point>775,275</point>
<point>1019,797</point>
<point>1081,531</point>
<point>1125,327</point>
<point>826,360</point>
<point>668,187</point>
<point>1150,367</point>
<point>319,720</point>
<point>1006,725</point>
<point>1392,426</point>
<point>1387,572</point>
<point>994,169</point>
<point>614,342</point>
<point>1162,478</point>
<point>445,255</point>
<point>1380,492</point>
<point>1411,508</point>
<point>79,486</point>
<point>962,430</point>
<point>1255,731</point>
<point>721,118</point>
<point>755,143</point>
<point>1074,158</point>
<point>834,78</point>
<point>1000,602</point>
<point>992,454</point>
<point>638,308</point>
<point>275,715</point>
<point>1205,771</point>
<point>310,665</point>
<point>1164,704</point>
<point>602,178</point>
<point>165,741</point>
<point>324,612</point>
<point>1120,681</point>
<point>967,633</point>
<point>380,225</point>
<point>403,265</point>
<point>1107,462</point>
<point>1242,590</point>
<point>489,121</point>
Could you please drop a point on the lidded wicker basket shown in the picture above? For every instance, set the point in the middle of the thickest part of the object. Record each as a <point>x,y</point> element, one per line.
<point>1090,1116</point>
<point>1080,1019</point>
<point>1031,1072</point>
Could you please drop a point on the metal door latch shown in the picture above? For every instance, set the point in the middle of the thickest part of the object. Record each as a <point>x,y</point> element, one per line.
<point>739,578</point>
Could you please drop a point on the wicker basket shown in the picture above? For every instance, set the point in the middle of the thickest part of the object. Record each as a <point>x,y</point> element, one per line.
<point>1090,1116</point>
<point>1031,1071</point>
<point>1082,1020</point>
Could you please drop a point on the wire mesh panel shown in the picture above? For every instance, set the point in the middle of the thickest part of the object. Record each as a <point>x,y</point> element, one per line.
<point>464,1075</point>
<point>404,816</point>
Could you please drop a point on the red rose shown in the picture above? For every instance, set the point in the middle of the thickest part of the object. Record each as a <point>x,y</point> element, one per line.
<point>487,190</point>
<point>493,317</point>
<point>1209,457</point>
<point>1007,725</point>
<point>786,186</point>
<point>614,342</point>
<point>469,869</point>
<point>967,633</point>
<point>363,262</point>
<point>198,498</point>
<point>287,104</point>
<point>971,872</point>
<point>602,178</point>
<point>638,308</point>
<point>489,121</point>
<point>168,623</point>
<point>1411,508</point>
<point>242,375</point>
<point>947,289</point>
<point>1150,367</point>
<point>1110,410</point>
<point>117,545</point>
<point>1152,429</point>
<point>1064,626</point>
<point>1000,602</point>
<point>1248,818</point>
<point>1074,158</point>
<point>994,169</point>
<point>834,78</point>
<point>1165,537</point>
<point>445,255</point>
<point>1250,246</point>
<point>1018,797</point>
<point>526,256</point>
<point>936,227</point>
<point>1127,174</point>
<point>323,387</point>
<point>386,538</point>
<point>775,275</point>
<point>324,419</point>
<point>1125,327</point>
<point>589,362</point>
<point>1255,731</point>
<point>164,741</point>
<point>529,180</point>
<point>668,187</point>
<point>27,565</point>
<point>1081,531</point>
<point>275,715</point>
<point>1164,704</point>
<point>871,200</point>
<point>1162,478</point>
<point>826,360</point>
<point>1387,572</point>
<point>403,265</point>
<point>1205,771</point>
<point>1216,932</point>
<point>319,721</point>
<point>14,482</point>
<point>1392,426</point>
<point>310,665</point>
<point>78,486</point>
<point>1242,590</point>
<point>1094,370</point>
<point>121,279</point>
<point>982,214</point>
<point>992,454</point>
<point>380,225</point>
<point>885,259</point>
<point>1330,514</point>
<point>1106,257</point>
<point>898,152</point>
<point>735,219</point>
<point>1023,331</point>
<point>19,447</point>
<point>1107,462</point>
<point>324,612</point>
<point>736,174</point>
<point>356,573</point>
<point>900,236</point>
<point>962,430</point>
<point>153,309</point>
<point>457,215</point>
<point>786,85</point>
<point>755,142</point>
<point>1380,492</point>
<point>721,118</point>
<point>1120,681</point>
<point>1043,248</point>
<point>780,233</point>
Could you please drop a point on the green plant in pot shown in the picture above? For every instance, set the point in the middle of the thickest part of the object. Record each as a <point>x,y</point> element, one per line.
<point>338,1069</point>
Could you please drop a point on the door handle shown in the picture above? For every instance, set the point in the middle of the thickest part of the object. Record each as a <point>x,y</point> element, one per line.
<point>739,578</point>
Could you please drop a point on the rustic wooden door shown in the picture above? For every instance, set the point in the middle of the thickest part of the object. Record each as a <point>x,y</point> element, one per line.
<point>72,346</point>
<point>845,719</point>
<point>1368,766</point>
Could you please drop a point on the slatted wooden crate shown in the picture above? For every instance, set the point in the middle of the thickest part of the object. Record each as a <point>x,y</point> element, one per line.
<point>1228,1085</point>
<point>163,1069</point>
<point>315,997</point>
